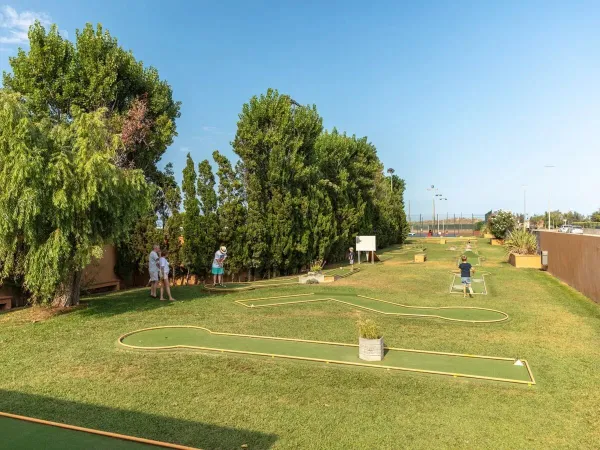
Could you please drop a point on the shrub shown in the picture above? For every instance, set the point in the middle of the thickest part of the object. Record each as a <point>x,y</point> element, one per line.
<point>368,329</point>
<point>502,223</point>
<point>312,281</point>
<point>521,242</point>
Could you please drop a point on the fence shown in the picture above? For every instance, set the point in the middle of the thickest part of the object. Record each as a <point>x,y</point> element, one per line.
<point>462,224</point>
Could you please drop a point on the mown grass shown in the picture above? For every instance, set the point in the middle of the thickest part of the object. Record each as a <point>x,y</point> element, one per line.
<point>68,368</point>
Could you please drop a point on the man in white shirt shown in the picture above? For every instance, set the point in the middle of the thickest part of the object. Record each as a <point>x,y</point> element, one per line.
<point>154,268</point>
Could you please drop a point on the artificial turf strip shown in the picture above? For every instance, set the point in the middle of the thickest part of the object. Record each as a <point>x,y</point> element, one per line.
<point>453,313</point>
<point>477,284</point>
<point>20,434</point>
<point>173,337</point>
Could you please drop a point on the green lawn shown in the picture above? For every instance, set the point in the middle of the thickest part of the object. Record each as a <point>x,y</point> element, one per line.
<point>69,368</point>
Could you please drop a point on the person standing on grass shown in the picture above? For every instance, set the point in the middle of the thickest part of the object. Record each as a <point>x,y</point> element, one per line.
<point>351,258</point>
<point>217,265</point>
<point>153,269</point>
<point>465,276</point>
<point>164,277</point>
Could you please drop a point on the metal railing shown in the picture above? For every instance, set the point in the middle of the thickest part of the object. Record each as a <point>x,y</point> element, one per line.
<point>461,224</point>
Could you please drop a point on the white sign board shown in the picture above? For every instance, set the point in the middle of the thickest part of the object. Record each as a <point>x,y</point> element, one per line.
<point>366,244</point>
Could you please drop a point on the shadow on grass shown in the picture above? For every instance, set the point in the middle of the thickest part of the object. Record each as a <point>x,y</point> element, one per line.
<point>132,423</point>
<point>137,300</point>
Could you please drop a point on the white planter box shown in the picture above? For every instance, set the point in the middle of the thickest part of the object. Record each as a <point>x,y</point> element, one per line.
<point>370,349</point>
<point>303,279</point>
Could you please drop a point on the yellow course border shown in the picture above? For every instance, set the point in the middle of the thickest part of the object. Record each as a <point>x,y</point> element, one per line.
<point>348,363</point>
<point>426,316</point>
<point>98,432</point>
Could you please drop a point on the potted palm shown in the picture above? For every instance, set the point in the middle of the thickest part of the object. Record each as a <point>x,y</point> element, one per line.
<point>370,341</point>
<point>521,247</point>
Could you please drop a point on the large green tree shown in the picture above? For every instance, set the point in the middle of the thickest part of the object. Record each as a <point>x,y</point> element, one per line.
<point>232,213</point>
<point>208,206</point>
<point>275,140</point>
<point>62,197</point>
<point>59,78</point>
<point>192,220</point>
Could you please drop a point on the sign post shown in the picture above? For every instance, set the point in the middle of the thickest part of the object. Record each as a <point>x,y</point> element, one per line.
<point>366,244</point>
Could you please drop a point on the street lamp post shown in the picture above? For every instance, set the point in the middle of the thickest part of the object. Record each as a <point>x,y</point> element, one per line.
<point>433,189</point>
<point>524,205</point>
<point>549,194</point>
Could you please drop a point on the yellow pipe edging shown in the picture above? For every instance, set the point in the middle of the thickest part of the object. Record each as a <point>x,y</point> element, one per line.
<point>98,432</point>
<point>193,347</point>
<point>244,301</point>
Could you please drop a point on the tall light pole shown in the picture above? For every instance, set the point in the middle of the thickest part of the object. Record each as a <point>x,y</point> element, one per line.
<point>391,172</point>
<point>524,204</point>
<point>549,193</point>
<point>440,199</point>
<point>433,189</point>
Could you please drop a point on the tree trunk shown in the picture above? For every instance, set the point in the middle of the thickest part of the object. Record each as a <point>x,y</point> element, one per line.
<point>69,291</point>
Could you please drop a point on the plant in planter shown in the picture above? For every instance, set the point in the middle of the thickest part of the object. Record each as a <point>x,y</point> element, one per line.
<point>316,267</point>
<point>521,242</point>
<point>370,341</point>
<point>501,223</point>
<point>521,247</point>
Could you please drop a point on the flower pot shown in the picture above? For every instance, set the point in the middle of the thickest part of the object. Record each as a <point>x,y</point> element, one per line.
<point>525,261</point>
<point>496,241</point>
<point>370,349</point>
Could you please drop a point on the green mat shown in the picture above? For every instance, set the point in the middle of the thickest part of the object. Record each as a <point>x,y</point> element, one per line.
<point>21,434</point>
<point>499,369</point>
<point>478,284</point>
<point>455,313</point>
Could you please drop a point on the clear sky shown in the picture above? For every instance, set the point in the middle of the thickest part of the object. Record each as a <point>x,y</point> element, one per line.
<point>472,97</point>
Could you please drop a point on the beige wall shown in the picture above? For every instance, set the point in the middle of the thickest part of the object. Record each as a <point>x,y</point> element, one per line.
<point>574,259</point>
<point>102,270</point>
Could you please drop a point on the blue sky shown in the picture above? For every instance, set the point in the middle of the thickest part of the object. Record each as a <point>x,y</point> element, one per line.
<point>473,97</point>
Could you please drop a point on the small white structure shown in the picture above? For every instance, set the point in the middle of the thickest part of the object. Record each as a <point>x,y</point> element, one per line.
<point>366,244</point>
<point>370,349</point>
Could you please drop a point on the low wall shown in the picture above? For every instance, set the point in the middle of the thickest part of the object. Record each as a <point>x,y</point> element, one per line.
<point>574,259</point>
<point>101,271</point>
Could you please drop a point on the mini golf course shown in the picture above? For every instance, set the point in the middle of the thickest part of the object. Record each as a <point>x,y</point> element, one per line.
<point>337,273</point>
<point>452,364</point>
<point>21,432</point>
<point>478,285</point>
<point>452,313</point>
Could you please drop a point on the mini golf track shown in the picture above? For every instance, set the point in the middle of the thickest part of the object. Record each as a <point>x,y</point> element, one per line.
<point>478,285</point>
<point>20,432</point>
<point>338,273</point>
<point>457,365</point>
<point>454,313</point>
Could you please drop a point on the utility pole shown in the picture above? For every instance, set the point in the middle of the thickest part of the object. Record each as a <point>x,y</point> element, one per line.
<point>549,195</point>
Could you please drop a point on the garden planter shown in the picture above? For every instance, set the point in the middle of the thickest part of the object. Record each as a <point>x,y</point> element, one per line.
<point>525,261</point>
<point>370,349</point>
<point>316,276</point>
<point>495,241</point>
<point>442,241</point>
<point>420,257</point>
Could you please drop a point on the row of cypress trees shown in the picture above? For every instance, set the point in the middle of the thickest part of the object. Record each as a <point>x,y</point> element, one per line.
<point>297,194</point>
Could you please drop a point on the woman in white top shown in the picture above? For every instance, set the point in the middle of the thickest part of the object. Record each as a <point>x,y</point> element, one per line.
<point>164,276</point>
<point>153,269</point>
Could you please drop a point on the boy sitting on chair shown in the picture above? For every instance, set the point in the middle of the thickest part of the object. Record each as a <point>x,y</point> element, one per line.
<point>465,276</point>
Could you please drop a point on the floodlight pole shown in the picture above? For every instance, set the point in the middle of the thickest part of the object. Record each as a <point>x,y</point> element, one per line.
<point>524,205</point>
